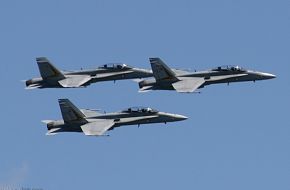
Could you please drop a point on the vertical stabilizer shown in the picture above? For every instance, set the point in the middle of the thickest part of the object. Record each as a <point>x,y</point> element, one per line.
<point>70,112</point>
<point>160,70</point>
<point>48,70</point>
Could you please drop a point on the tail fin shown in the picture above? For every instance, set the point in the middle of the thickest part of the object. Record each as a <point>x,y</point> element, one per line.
<point>70,112</point>
<point>46,69</point>
<point>160,70</point>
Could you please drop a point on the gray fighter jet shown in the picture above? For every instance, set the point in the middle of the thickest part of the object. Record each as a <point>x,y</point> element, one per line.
<point>94,123</point>
<point>184,81</point>
<point>51,77</point>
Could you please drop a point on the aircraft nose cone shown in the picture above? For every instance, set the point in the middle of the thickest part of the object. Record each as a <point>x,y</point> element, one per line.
<point>180,117</point>
<point>267,76</point>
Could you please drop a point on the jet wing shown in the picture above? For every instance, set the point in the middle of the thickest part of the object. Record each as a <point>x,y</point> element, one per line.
<point>74,81</point>
<point>110,74</point>
<point>188,84</point>
<point>97,127</point>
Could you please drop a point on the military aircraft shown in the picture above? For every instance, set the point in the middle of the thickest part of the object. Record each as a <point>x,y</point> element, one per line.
<point>166,78</point>
<point>51,77</point>
<point>95,123</point>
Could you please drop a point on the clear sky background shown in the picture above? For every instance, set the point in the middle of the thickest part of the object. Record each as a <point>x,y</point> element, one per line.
<point>237,137</point>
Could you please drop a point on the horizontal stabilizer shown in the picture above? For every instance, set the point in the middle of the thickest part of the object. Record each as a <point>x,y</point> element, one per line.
<point>33,86</point>
<point>137,80</point>
<point>74,81</point>
<point>145,89</point>
<point>46,121</point>
<point>188,84</point>
<point>53,131</point>
<point>98,127</point>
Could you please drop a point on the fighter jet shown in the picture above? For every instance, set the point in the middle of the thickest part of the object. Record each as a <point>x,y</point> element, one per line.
<point>51,77</point>
<point>95,123</point>
<point>166,78</point>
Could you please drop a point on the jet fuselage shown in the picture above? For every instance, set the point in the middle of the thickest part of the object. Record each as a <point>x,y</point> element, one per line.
<point>120,119</point>
<point>210,77</point>
<point>51,77</point>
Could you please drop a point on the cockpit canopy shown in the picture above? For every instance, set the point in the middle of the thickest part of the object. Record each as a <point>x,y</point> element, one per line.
<point>140,110</point>
<point>114,66</point>
<point>229,68</point>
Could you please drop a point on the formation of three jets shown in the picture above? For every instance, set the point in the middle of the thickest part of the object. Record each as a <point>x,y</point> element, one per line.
<point>94,123</point>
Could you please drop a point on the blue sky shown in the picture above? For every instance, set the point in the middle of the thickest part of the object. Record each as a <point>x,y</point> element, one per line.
<point>237,136</point>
